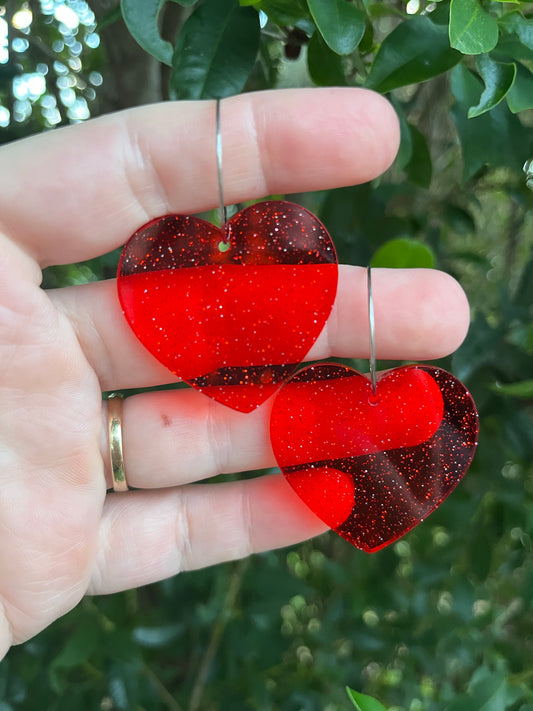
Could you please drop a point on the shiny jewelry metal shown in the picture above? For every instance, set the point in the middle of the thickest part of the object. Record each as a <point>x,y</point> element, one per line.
<point>223,215</point>
<point>371,326</point>
<point>114,432</point>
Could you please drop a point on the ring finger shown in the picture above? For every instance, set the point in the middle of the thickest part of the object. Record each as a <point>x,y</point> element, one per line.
<point>181,436</point>
<point>421,314</point>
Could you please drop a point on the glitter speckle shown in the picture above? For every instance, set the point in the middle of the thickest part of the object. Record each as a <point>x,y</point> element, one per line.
<point>403,454</point>
<point>208,312</point>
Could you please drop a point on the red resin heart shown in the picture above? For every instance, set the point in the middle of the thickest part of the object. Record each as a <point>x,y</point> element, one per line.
<point>231,311</point>
<point>373,467</point>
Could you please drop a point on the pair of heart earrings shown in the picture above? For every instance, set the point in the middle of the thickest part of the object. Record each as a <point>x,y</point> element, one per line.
<point>234,310</point>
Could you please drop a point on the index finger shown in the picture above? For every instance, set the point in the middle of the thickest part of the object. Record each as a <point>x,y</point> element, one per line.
<point>79,192</point>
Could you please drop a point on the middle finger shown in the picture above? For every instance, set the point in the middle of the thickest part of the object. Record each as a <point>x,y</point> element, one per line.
<point>420,314</point>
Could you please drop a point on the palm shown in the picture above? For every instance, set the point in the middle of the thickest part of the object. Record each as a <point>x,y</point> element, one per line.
<point>52,480</point>
<point>78,193</point>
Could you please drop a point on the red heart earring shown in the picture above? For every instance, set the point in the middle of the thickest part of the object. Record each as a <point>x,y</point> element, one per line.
<point>230,310</point>
<point>373,457</point>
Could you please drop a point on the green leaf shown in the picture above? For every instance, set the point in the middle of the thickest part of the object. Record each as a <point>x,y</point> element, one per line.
<point>478,348</point>
<point>341,24</point>
<point>378,9</point>
<point>413,52</point>
<point>109,18</point>
<point>510,49</point>
<point>472,30</point>
<point>413,155</point>
<point>420,167</point>
<point>498,79</point>
<point>515,23</point>
<point>520,95</point>
<point>522,389</point>
<point>462,222</point>
<point>404,253</point>
<point>405,152</point>
<point>325,67</point>
<point>118,692</point>
<point>524,290</point>
<point>216,51</point>
<point>362,702</point>
<point>284,12</point>
<point>494,138</point>
<point>79,647</point>
<point>490,689</point>
<point>141,18</point>
<point>155,637</point>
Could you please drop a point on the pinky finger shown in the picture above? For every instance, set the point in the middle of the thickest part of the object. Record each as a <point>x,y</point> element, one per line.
<point>147,536</point>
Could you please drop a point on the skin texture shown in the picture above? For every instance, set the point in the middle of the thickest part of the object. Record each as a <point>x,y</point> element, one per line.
<point>80,192</point>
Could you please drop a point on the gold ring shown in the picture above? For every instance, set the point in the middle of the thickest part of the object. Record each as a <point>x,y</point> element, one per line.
<point>114,431</point>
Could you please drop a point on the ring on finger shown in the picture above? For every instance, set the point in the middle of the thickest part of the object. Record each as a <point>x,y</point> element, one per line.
<point>116,453</point>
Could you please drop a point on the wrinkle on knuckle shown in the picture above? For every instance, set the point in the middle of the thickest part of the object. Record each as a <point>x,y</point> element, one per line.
<point>218,440</point>
<point>183,533</point>
<point>95,347</point>
<point>247,525</point>
<point>96,580</point>
<point>261,154</point>
<point>103,558</point>
<point>142,175</point>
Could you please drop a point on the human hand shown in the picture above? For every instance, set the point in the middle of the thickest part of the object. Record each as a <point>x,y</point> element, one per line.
<point>79,192</point>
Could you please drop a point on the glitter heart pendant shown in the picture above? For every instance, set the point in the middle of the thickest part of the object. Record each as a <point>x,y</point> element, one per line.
<point>372,465</point>
<point>231,310</point>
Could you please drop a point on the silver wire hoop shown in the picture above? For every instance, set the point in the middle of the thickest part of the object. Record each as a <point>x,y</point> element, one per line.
<point>223,215</point>
<point>371,326</point>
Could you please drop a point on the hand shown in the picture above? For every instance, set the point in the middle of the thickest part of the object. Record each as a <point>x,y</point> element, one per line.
<point>79,192</point>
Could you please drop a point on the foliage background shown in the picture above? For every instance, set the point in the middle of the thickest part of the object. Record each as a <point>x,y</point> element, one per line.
<point>443,619</point>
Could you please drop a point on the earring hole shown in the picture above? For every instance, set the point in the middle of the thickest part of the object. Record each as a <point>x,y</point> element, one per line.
<point>373,399</point>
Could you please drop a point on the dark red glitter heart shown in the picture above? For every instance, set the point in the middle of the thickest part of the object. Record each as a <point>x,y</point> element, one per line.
<point>373,467</point>
<point>232,311</point>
